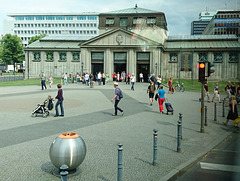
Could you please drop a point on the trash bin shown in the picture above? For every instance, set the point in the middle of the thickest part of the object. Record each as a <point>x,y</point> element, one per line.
<point>69,149</point>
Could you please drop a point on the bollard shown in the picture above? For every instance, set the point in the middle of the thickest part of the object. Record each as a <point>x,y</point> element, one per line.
<point>205,116</point>
<point>215,111</point>
<point>180,119</point>
<point>155,146</point>
<point>120,163</point>
<point>63,172</point>
<point>179,137</point>
<point>223,111</point>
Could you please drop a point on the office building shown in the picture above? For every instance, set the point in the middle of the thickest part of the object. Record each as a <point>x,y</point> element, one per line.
<point>225,22</point>
<point>27,25</point>
<point>197,27</point>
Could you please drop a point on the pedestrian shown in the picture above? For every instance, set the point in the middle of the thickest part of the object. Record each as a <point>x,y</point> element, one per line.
<point>228,89</point>
<point>141,77</point>
<point>206,91</point>
<point>99,78</point>
<point>50,80</point>
<point>133,80</point>
<point>118,77</point>
<point>91,79</point>
<point>238,93</point>
<point>159,81</point>
<point>170,85</point>
<point>233,89</point>
<point>60,99</point>
<point>233,113</point>
<point>153,79</point>
<point>151,89</point>
<point>43,81</point>
<point>123,76</point>
<point>87,79</point>
<point>161,98</point>
<point>216,93</point>
<point>103,78</point>
<point>114,76</point>
<point>117,99</point>
<point>128,78</point>
<point>65,79</point>
<point>107,77</point>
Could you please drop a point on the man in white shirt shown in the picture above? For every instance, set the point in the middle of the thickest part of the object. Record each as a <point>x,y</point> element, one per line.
<point>133,80</point>
<point>99,77</point>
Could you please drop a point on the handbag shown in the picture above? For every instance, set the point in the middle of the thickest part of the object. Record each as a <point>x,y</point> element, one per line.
<point>156,97</point>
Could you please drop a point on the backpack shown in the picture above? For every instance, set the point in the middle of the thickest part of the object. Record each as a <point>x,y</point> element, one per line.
<point>120,94</point>
<point>50,104</point>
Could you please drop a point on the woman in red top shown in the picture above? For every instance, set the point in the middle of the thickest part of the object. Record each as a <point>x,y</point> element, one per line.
<point>170,84</point>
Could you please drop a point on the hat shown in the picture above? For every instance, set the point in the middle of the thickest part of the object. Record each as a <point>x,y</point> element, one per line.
<point>115,83</point>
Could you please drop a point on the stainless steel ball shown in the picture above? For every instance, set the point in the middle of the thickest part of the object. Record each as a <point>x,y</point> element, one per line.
<point>69,149</point>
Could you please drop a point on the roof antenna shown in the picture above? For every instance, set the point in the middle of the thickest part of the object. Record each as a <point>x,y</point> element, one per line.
<point>136,6</point>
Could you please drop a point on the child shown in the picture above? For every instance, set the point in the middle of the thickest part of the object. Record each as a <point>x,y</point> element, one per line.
<point>48,103</point>
<point>216,93</point>
<point>50,79</point>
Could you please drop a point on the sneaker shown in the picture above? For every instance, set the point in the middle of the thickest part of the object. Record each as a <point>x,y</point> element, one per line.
<point>220,102</point>
<point>150,104</point>
<point>122,113</point>
<point>55,116</point>
<point>114,114</point>
<point>61,115</point>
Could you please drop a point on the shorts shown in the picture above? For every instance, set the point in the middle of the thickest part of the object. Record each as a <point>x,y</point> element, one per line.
<point>216,93</point>
<point>151,95</point>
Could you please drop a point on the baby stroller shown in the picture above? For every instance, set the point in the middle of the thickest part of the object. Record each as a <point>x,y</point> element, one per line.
<point>44,108</point>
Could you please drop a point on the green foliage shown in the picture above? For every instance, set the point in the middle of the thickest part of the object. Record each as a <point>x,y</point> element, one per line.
<point>11,49</point>
<point>35,38</point>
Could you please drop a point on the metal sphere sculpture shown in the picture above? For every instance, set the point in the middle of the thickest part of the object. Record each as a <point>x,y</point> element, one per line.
<point>69,149</point>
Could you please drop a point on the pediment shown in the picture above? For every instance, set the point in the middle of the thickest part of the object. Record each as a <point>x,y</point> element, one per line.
<point>119,37</point>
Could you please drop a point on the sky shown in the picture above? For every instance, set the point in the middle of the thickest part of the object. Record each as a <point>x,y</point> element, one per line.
<point>179,13</point>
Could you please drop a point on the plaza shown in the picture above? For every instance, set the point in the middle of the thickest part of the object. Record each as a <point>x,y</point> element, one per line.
<point>25,140</point>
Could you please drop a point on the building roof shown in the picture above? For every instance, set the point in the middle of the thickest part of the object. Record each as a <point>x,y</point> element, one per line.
<point>201,37</point>
<point>58,42</point>
<point>135,10</point>
<point>52,14</point>
<point>202,42</point>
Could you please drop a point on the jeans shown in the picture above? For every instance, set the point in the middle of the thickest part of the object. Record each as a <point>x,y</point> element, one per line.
<point>116,107</point>
<point>61,106</point>
<point>132,88</point>
<point>43,84</point>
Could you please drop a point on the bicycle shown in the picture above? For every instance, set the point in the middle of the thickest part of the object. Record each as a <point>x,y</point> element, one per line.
<point>179,87</point>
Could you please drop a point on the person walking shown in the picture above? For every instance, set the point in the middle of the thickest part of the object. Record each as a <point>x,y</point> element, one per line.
<point>128,78</point>
<point>161,98</point>
<point>233,113</point>
<point>170,85</point>
<point>216,93</point>
<point>43,81</point>
<point>206,91</point>
<point>151,89</point>
<point>60,99</point>
<point>50,80</point>
<point>133,80</point>
<point>103,78</point>
<point>228,90</point>
<point>159,81</point>
<point>141,77</point>
<point>117,99</point>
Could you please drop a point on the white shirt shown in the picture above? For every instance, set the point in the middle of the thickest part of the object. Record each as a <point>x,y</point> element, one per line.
<point>132,78</point>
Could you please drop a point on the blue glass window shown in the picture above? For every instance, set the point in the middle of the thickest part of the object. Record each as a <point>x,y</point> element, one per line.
<point>69,17</point>
<point>81,17</point>
<point>92,17</point>
<point>19,18</point>
<point>29,17</point>
<point>60,17</point>
<point>50,17</point>
<point>40,17</point>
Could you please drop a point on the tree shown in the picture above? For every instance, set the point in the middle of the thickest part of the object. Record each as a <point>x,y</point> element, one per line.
<point>12,49</point>
<point>35,38</point>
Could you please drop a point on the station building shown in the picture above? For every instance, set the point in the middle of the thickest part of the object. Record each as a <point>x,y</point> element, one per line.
<point>134,40</point>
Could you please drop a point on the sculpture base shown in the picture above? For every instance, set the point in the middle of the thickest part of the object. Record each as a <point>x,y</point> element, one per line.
<point>73,172</point>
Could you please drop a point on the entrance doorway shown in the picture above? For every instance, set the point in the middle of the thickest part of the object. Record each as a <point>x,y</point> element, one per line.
<point>97,67</point>
<point>119,67</point>
<point>145,70</point>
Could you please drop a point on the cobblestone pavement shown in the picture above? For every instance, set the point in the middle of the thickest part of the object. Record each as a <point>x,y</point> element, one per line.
<point>25,140</point>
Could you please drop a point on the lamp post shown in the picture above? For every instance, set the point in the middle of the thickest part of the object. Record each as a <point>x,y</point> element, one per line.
<point>156,68</point>
<point>82,67</point>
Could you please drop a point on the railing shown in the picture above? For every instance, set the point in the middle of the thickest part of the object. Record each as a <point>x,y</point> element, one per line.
<point>11,78</point>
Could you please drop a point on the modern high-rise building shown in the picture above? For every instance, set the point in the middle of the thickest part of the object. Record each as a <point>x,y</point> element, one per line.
<point>197,27</point>
<point>27,25</point>
<point>225,22</point>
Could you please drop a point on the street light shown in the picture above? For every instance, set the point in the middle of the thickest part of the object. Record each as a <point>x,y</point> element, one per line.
<point>82,67</point>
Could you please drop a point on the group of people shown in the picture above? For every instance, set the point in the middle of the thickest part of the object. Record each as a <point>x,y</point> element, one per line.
<point>233,94</point>
<point>43,81</point>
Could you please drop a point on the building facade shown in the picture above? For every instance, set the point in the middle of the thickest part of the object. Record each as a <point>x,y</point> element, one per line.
<point>56,24</point>
<point>224,23</point>
<point>197,27</point>
<point>144,50</point>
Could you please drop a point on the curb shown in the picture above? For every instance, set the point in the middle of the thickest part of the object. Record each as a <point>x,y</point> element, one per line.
<point>179,170</point>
